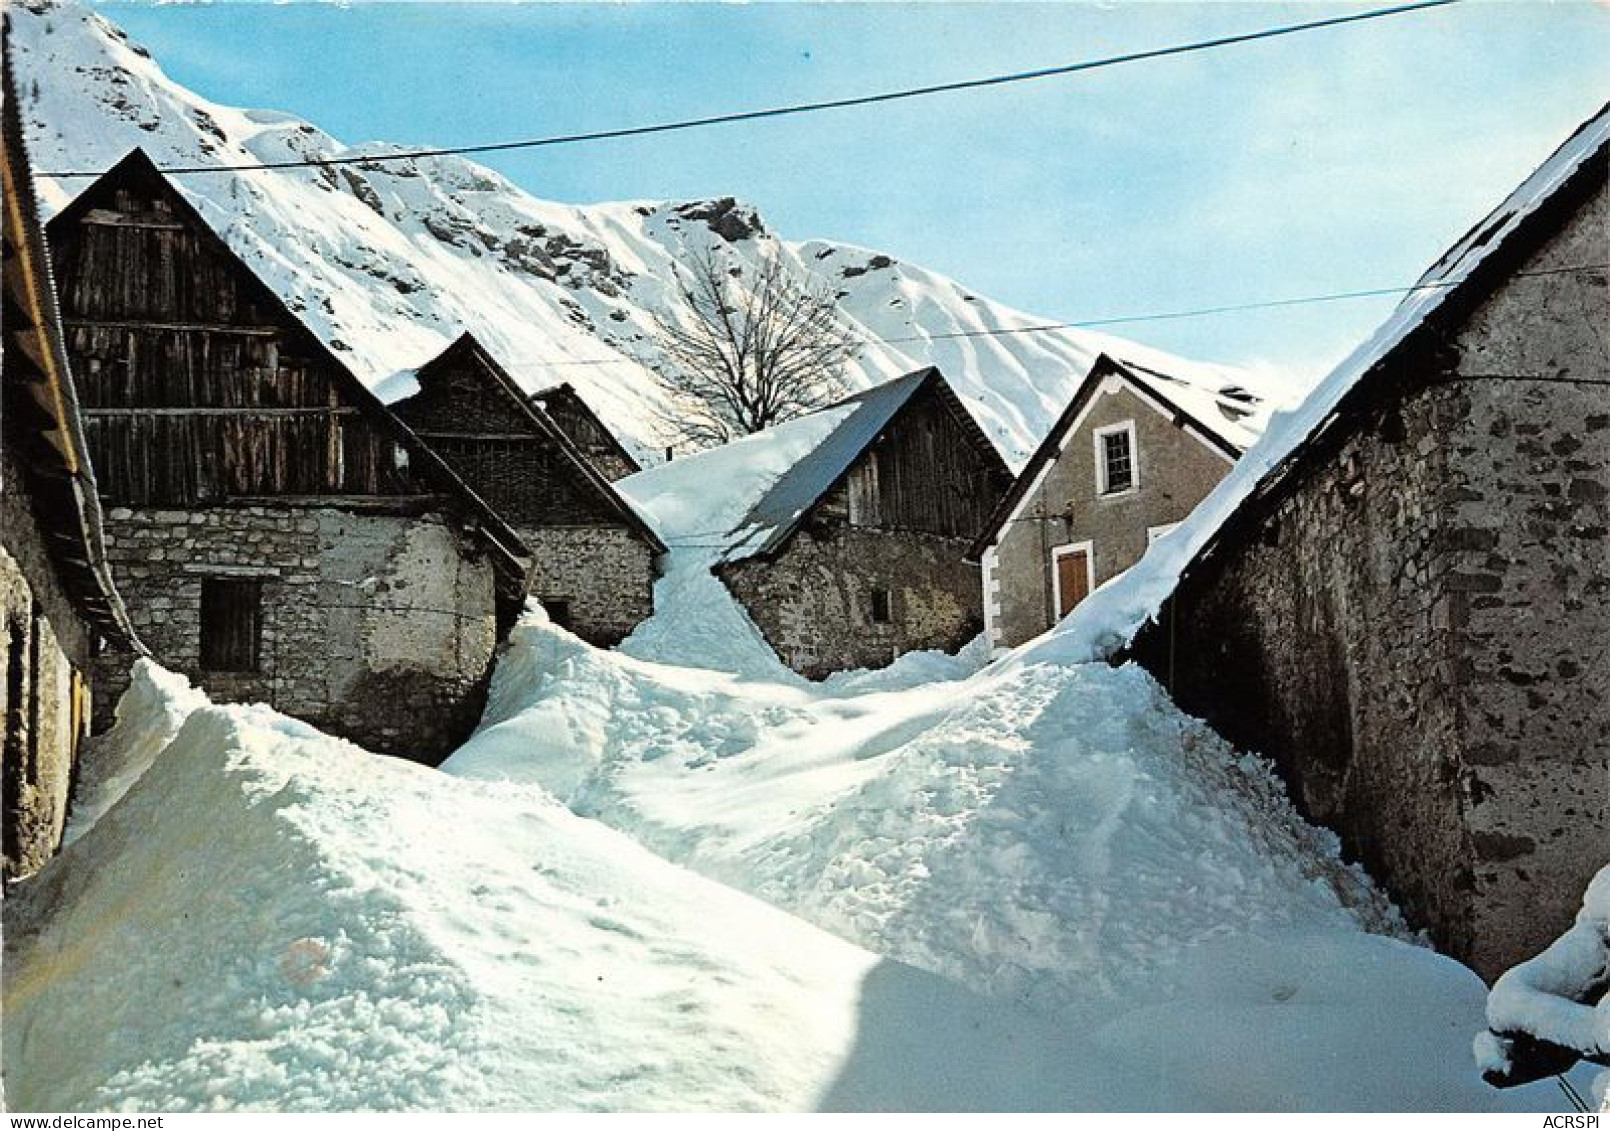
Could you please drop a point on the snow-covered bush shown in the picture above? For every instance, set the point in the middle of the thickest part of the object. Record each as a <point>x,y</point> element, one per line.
<point>1550,1011</point>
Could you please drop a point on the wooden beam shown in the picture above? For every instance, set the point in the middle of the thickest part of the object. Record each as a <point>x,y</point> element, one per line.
<point>532,435</point>
<point>243,410</point>
<point>150,220</point>
<point>182,327</point>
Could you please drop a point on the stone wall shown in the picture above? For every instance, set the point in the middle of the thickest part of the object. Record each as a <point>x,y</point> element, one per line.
<point>1175,471</point>
<point>44,697</point>
<point>1528,499</point>
<point>604,576</point>
<point>1415,626</point>
<point>813,603</point>
<point>378,628</point>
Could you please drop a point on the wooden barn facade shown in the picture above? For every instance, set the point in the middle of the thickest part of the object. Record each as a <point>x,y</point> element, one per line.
<point>279,535</point>
<point>858,553</point>
<point>58,605</point>
<point>1410,611</point>
<point>1130,457</point>
<point>587,430</point>
<point>592,557</point>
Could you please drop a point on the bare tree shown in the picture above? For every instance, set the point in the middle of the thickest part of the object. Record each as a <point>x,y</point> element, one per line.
<point>753,346</point>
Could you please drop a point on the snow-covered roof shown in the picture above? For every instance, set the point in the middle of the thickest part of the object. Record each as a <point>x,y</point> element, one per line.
<point>1113,614</point>
<point>778,512</point>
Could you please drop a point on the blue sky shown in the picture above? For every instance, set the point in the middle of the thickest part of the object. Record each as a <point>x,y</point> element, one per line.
<point>1337,160</point>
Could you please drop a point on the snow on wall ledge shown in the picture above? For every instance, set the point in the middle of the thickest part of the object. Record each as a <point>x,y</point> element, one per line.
<point>1541,997</point>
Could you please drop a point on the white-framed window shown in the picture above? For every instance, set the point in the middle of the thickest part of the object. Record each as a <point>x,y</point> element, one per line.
<point>1073,574</point>
<point>1153,533</point>
<point>1117,459</point>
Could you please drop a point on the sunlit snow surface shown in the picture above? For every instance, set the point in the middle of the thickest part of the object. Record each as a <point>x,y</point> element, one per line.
<point>655,887</point>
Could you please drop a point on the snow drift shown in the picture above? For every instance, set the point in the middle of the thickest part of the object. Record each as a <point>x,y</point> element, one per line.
<point>1550,997</point>
<point>272,918</point>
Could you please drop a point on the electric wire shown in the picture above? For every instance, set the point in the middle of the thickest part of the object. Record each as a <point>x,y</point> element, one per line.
<point>799,108</point>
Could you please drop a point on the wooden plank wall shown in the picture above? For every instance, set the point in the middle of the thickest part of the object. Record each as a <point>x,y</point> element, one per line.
<point>924,475</point>
<point>196,384</point>
<point>491,441</point>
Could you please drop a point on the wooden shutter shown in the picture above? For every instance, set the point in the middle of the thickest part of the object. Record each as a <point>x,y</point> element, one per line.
<point>231,624</point>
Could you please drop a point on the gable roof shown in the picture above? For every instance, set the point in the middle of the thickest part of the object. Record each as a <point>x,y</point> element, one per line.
<point>1235,410</point>
<point>1470,271</point>
<point>137,166</point>
<point>61,480</point>
<point>467,348</point>
<point>547,399</point>
<point>778,514</point>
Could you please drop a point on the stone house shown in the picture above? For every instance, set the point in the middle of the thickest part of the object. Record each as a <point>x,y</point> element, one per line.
<point>278,534</point>
<point>858,553</point>
<point>592,556</point>
<point>1410,610</point>
<point>587,431</point>
<point>58,606</point>
<point>1130,457</point>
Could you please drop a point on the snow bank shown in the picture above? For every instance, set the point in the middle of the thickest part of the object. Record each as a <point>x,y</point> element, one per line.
<point>1056,838</point>
<point>1540,997</point>
<point>271,918</point>
<point>149,715</point>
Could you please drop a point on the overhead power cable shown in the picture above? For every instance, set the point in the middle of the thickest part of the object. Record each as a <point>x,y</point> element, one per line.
<point>1094,323</point>
<point>810,107</point>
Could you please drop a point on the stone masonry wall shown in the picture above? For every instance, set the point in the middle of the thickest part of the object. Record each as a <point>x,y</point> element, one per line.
<point>604,574</point>
<point>377,628</point>
<point>1529,480</point>
<point>814,602</point>
<point>1416,631</point>
<point>1175,472</point>
<point>45,643</point>
<point>1321,641</point>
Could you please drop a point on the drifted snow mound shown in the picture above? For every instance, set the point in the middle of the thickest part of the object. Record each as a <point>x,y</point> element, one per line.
<point>149,715</point>
<point>1060,839</point>
<point>1551,997</point>
<point>273,919</point>
<point>1058,833</point>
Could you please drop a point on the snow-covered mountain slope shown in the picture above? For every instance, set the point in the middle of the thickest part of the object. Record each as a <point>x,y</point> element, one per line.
<point>389,262</point>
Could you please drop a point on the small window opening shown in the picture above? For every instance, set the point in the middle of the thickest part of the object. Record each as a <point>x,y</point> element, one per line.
<point>880,606</point>
<point>231,624</point>
<point>1118,462</point>
<point>558,611</point>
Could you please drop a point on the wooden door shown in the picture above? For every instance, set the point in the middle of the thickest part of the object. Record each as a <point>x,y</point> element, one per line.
<point>1073,580</point>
